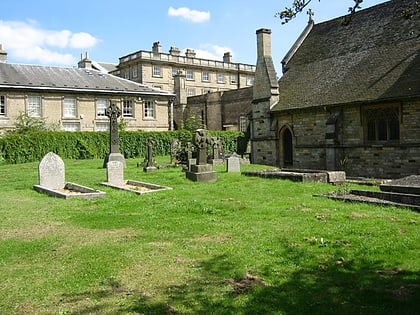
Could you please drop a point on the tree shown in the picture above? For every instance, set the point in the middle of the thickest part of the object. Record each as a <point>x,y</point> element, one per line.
<point>289,13</point>
<point>298,6</point>
<point>26,124</point>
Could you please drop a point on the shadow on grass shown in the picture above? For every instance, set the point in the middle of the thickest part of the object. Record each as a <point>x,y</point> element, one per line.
<point>333,287</point>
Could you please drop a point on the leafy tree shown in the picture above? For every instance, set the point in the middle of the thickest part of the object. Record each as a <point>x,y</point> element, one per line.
<point>26,124</point>
<point>298,6</point>
<point>193,123</point>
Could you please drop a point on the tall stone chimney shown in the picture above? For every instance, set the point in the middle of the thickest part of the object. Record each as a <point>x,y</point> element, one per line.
<point>3,54</point>
<point>190,53</point>
<point>174,51</point>
<point>180,102</point>
<point>227,57</point>
<point>157,48</point>
<point>264,144</point>
<point>84,62</point>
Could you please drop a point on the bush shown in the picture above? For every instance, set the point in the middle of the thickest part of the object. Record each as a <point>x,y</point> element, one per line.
<point>22,148</point>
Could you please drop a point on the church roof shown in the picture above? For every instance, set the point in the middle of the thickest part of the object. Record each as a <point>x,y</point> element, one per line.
<point>46,78</point>
<point>374,58</point>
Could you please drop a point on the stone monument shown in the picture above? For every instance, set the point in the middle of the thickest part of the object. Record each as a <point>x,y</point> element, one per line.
<point>201,171</point>
<point>150,163</point>
<point>218,156</point>
<point>52,181</point>
<point>113,112</point>
<point>175,151</point>
<point>233,164</point>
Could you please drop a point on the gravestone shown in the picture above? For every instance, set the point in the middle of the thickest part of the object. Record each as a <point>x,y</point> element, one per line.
<point>115,173</point>
<point>233,164</point>
<point>113,112</point>
<point>150,165</point>
<point>175,151</point>
<point>217,146</point>
<point>51,172</point>
<point>201,171</point>
<point>189,149</point>
<point>52,181</point>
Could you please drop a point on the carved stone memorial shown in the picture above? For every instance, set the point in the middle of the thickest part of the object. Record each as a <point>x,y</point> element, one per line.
<point>201,171</point>
<point>113,112</point>
<point>150,164</point>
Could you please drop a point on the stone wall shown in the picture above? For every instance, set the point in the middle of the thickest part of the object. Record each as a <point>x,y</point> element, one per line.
<point>352,152</point>
<point>220,110</point>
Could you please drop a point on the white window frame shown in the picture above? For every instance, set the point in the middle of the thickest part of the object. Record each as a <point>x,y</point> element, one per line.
<point>189,74</point>
<point>233,79</point>
<point>249,80</point>
<point>69,107</point>
<point>127,73</point>
<point>190,92</point>
<point>174,71</point>
<point>206,76</point>
<point>128,108</point>
<point>101,106</point>
<point>2,105</point>
<point>220,78</point>
<point>157,72</point>
<point>70,126</point>
<point>134,72</point>
<point>34,106</point>
<point>149,108</point>
<point>101,126</point>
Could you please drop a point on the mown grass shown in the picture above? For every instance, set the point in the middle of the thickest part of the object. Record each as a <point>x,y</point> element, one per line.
<point>185,251</point>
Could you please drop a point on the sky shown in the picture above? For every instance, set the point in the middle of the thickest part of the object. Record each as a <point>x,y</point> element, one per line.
<point>57,32</point>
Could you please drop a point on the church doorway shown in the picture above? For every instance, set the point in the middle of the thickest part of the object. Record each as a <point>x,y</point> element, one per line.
<point>287,146</point>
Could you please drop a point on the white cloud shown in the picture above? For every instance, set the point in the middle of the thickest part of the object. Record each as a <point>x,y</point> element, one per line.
<point>29,42</point>
<point>190,15</point>
<point>212,52</point>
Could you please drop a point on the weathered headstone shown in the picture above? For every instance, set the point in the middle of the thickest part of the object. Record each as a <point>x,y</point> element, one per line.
<point>201,171</point>
<point>113,112</point>
<point>115,173</point>
<point>175,151</point>
<point>218,155</point>
<point>233,164</point>
<point>51,171</point>
<point>189,150</point>
<point>150,165</point>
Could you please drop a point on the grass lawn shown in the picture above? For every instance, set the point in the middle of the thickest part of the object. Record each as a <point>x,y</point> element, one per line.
<point>242,245</point>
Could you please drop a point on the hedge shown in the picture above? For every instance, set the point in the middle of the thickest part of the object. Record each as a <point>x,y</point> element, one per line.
<point>15,148</point>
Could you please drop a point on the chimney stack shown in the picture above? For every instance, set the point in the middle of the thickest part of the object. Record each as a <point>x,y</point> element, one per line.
<point>227,57</point>
<point>190,53</point>
<point>3,54</point>
<point>157,48</point>
<point>85,62</point>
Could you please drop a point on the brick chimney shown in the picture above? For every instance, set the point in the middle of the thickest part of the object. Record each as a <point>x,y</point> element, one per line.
<point>3,54</point>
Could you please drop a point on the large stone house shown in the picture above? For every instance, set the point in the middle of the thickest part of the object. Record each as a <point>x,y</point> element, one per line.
<point>349,97</point>
<point>76,98</point>
<point>186,75</point>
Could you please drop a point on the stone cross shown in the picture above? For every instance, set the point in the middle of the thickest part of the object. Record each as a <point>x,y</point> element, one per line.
<point>217,144</point>
<point>113,112</point>
<point>150,144</point>
<point>189,149</point>
<point>201,139</point>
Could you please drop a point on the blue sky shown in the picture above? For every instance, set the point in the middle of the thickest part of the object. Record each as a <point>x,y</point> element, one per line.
<point>57,32</point>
